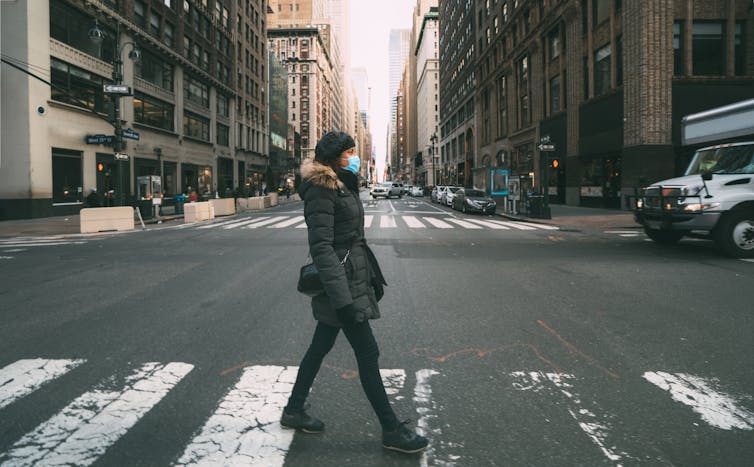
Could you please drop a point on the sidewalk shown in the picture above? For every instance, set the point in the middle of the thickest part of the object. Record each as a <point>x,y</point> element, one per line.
<point>576,217</point>
<point>69,225</point>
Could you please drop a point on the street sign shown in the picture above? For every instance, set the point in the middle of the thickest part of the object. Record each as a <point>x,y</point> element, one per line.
<point>121,89</point>
<point>121,156</point>
<point>130,134</point>
<point>99,139</point>
<point>546,147</point>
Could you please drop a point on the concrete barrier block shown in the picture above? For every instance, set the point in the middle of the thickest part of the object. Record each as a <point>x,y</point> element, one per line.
<point>242,204</point>
<point>267,201</point>
<point>223,206</point>
<point>256,203</point>
<point>106,219</point>
<point>273,199</point>
<point>197,212</point>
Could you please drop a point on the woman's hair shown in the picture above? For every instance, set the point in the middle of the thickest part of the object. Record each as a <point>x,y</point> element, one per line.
<point>331,146</point>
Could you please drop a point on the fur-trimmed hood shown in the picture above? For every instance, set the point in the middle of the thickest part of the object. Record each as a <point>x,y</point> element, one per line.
<point>320,174</point>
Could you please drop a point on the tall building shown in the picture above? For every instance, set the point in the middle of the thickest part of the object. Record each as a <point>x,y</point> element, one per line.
<point>398,49</point>
<point>360,80</point>
<point>179,120</point>
<point>428,102</point>
<point>605,83</point>
<point>457,85</point>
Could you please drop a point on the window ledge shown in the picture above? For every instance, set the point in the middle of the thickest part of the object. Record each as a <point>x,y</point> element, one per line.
<point>197,140</point>
<point>155,129</point>
<point>83,110</point>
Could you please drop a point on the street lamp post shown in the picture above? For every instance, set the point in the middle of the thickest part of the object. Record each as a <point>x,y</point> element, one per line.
<point>97,35</point>
<point>433,140</point>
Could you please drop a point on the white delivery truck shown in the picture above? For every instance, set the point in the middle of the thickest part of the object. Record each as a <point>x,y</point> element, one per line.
<point>715,197</point>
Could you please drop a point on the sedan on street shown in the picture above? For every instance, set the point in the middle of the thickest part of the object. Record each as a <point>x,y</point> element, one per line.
<point>472,200</point>
<point>447,197</point>
<point>436,194</point>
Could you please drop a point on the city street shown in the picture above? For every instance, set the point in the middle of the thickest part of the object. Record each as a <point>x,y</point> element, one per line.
<point>508,343</point>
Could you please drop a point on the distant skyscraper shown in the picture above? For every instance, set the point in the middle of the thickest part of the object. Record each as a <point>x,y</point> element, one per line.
<point>361,84</point>
<point>339,16</point>
<point>400,40</point>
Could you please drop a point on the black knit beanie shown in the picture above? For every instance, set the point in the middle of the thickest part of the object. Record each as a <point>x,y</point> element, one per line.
<point>331,146</point>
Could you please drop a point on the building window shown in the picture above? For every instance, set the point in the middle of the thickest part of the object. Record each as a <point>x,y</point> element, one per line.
<point>223,135</point>
<point>167,38</point>
<point>195,126</point>
<point>195,91</point>
<point>619,61</point>
<point>523,92</point>
<point>78,87</point>
<point>155,70</point>
<point>679,67</point>
<point>223,105</point>
<point>153,112</point>
<point>553,43</point>
<point>66,26</point>
<point>739,50</point>
<point>555,95</point>
<point>154,24</point>
<point>602,70</point>
<point>67,178</point>
<point>601,11</point>
<point>140,16</point>
<point>708,46</point>
<point>502,107</point>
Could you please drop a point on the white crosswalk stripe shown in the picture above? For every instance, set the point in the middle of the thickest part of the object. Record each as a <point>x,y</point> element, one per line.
<point>244,222</point>
<point>26,376</point>
<point>272,220</point>
<point>368,221</point>
<point>84,429</point>
<point>514,225</point>
<point>217,224</point>
<point>413,222</point>
<point>287,223</point>
<point>387,222</point>
<point>491,225</point>
<point>438,223</point>
<point>464,224</point>
<point>26,243</point>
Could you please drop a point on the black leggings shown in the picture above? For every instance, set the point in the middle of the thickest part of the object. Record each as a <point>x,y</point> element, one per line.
<point>362,341</point>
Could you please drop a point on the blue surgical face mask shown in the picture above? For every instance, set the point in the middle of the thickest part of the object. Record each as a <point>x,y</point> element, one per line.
<point>354,163</point>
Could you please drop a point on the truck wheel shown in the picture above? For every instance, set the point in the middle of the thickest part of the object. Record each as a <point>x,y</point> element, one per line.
<point>734,235</point>
<point>664,237</point>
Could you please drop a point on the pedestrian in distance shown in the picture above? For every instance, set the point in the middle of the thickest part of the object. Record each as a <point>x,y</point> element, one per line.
<point>335,221</point>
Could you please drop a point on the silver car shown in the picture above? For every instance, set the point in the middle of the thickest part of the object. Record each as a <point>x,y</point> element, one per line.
<point>387,189</point>
<point>447,196</point>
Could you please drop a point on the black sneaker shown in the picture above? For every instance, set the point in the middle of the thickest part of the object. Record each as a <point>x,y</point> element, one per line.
<point>404,440</point>
<point>301,421</point>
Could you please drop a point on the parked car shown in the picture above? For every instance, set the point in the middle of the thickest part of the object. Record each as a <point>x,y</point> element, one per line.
<point>387,189</point>
<point>473,200</point>
<point>416,191</point>
<point>447,197</point>
<point>407,189</point>
<point>437,193</point>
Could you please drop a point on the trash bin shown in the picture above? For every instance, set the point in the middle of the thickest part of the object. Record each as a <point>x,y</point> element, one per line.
<point>179,200</point>
<point>145,208</point>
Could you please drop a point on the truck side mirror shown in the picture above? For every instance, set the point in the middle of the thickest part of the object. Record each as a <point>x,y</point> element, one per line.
<point>706,175</point>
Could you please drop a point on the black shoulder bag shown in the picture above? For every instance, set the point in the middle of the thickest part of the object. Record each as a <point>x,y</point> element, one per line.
<point>309,282</point>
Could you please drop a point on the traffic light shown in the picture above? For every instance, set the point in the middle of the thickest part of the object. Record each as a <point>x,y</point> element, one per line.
<point>554,162</point>
<point>101,167</point>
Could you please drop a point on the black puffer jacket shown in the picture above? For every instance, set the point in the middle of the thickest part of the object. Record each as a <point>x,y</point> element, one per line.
<point>335,220</point>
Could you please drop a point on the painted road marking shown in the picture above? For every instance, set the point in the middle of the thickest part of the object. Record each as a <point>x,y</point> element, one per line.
<point>368,221</point>
<point>748,260</point>
<point>464,224</point>
<point>83,430</point>
<point>266,222</point>
<point>245,429</point>
<point>387,222</point>
<point>287,223</point>
<point>718,409</point>
<point>217,224</point>
<point>438,223</point>
<point>413,222</point>
<point>594,424</point>
<point>490,225</point>
<point>244,222</point>
<point>428,423</point>
<point>28,244</point>
<point>539,226</point>
<point>26,376</point>
<point>515,225</point>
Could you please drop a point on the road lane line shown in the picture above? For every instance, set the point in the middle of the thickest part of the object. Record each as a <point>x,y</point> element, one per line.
<point>302,226</point>
<point>368,221</point>
<point>271,220</point>
<point>539,226</point>
<point>413,222</point>
<point>438,223</point>
<point>245,222</point>
<point>387,222</point>
<point>427,423</point>
<point>245,429</point>
<point>597,426</point>
<point>82,431</point>
<point>718,409</point>
<point>218,224</point>
<point>491,225</point>
<point>26,244</point>
<point>26,376</point>
<point>287,223</point>
<point>622,231</point>
<point>464,224</point>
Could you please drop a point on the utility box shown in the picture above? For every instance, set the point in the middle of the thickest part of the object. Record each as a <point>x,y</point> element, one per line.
<point>148,187</point>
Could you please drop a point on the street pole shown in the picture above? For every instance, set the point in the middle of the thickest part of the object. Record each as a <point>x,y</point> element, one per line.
<point>118,144</point>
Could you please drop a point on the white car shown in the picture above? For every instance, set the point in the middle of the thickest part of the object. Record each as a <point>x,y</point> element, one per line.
<point>416,191</point>
<point>447,197</point>
<point>387,189</point>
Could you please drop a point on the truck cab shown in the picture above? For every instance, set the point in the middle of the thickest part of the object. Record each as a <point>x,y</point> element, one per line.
<point>715,196</point>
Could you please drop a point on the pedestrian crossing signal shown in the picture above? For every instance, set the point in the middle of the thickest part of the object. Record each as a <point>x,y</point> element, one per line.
<point>100,167</point>
<point>554,163</point>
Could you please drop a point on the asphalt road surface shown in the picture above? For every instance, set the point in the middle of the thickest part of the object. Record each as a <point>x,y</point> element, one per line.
<point>507,344</point>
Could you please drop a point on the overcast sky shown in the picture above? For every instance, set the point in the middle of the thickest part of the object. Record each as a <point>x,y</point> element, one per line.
<point>371,22</point>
